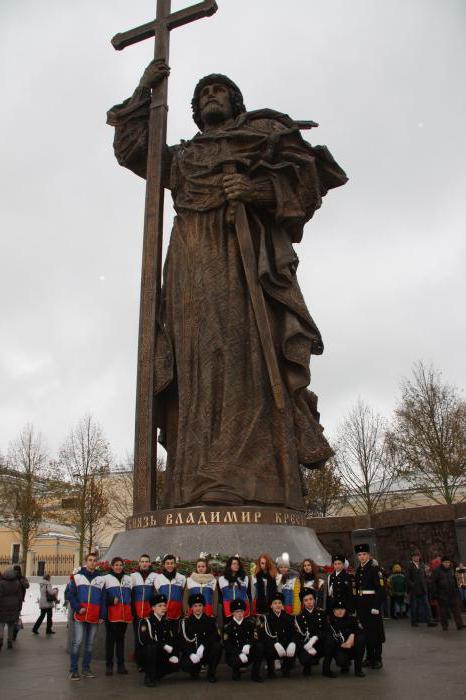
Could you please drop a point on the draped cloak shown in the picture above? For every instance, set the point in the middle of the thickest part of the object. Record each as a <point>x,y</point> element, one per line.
<point>226,441</point>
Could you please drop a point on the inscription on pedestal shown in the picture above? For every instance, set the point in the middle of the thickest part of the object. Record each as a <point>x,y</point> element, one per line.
<point>215,516</point>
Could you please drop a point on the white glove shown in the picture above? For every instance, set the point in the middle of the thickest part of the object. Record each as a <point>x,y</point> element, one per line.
<point>194,658</point>
<point>244,658</point>
<point>291,650</point>
<point>280,650</point>
<point>246,649</point>
<point>374,611</point>
<point>200,651</point>
<point>173,659</point>
<point>309,647</point>
<point>168,648</point>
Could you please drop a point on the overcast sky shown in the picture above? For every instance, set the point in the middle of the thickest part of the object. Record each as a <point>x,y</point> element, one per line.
<point>382,263</point>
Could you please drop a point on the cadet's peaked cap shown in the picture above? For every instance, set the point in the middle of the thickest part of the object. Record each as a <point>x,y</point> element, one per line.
<point>237,604</point>
<point>339,605</point>
<point>159,598</point>
<point>278,596</point>
<point>362,548</point>
<point>306,591</point>
<point>338,557</point>
<point>196,598</point>
<point>446,558</point>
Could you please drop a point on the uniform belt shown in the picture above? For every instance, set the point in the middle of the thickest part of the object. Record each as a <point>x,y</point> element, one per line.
<point>366,592</point>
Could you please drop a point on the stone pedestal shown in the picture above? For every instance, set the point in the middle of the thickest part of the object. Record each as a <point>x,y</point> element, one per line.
<point>460,529</point>
<point>247,531</point>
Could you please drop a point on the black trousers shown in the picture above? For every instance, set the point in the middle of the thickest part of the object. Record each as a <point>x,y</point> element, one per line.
<point>343,657</point>
<point>307,660</point>
<point>211,657</point>
<point>115,641</point>
<point>255,657</point>
<point>454,606</point>
<point>40,619</point>
<point>271,655</point>
<point>155,663</point>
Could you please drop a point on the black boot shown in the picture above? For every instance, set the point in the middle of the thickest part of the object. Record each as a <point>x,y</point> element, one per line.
<point>236,674</point>
<point>307,670</point>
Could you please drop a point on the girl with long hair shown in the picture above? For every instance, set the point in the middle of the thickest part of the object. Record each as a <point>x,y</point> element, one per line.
<point>263,584</point>
<point>233,584</point>
<point>309,577</point>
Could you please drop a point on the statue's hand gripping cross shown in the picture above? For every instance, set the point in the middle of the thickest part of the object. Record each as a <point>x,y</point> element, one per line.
<point>145,447</point>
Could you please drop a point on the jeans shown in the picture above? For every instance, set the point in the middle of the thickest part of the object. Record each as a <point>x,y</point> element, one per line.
<point>82,631</point>
<point>419,608</point>
<point>462,591</point>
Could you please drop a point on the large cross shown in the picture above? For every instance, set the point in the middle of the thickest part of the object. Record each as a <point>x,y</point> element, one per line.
<point>145,443</point>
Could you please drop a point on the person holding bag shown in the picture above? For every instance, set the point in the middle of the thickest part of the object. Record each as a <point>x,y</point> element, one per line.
<point>47,599</point>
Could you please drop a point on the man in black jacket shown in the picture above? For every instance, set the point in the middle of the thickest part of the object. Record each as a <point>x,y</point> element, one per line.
<point>241,643</point>
<point>199,640</point>
<point>445,591</point>
<point>345,642</point>
<point>340,585</point>
<point>157,646</point>
<point>370,593</point>
<point>279,637</point>
<point>417,588</point>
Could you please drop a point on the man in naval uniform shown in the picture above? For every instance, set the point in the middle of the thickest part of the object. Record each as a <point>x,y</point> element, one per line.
<point>241,644</point>
<point>369,588</point>
<point>157,646</point>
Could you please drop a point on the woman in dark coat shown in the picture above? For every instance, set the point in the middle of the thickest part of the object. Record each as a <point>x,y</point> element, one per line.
<point>11,600</point>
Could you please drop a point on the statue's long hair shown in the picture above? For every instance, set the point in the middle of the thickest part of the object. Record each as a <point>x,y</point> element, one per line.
<point>236,97</point>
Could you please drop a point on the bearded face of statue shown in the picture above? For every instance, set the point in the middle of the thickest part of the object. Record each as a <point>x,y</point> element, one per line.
<point>215,104</point>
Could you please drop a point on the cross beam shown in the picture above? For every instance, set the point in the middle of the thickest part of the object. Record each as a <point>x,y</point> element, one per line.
<point>172,21</point>
<point>145,442</point>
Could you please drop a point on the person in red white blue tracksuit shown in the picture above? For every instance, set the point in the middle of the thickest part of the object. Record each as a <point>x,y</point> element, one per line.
<point>142,598</point>
<point>170,583</point>
<point>117,588</point>
<point>85,596</point>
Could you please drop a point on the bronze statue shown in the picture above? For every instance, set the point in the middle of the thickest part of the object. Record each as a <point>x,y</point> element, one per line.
<point>234,337</point>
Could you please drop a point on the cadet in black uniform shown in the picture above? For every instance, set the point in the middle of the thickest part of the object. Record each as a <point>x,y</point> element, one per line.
<point>340,585</point>
<point>345,642</point>
<point>241,644</point>
<point>199,640</point>
<point>312,631</point>
<point>370,593</point>
<point>157,646</point>
<point>279,637</point>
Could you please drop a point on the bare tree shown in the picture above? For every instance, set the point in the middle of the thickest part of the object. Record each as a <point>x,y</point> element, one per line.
<point>429,435</point>
<point>323,490</point>
<point>364,460</point>
<point>23,486</point>
<point>85,459</point>
<point>121,489</point>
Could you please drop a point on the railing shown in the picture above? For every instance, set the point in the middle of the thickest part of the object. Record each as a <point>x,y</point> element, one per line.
<point>53,564</point>
<point>6,561</point>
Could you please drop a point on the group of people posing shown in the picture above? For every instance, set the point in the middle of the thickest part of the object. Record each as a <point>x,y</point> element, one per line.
<point>274,615</point>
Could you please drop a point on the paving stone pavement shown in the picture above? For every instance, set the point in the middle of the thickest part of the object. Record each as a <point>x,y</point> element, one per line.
<point>418,663</point>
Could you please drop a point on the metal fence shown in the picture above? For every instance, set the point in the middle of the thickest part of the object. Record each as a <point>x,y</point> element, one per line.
<point>5,562</point>
<point>53,564</point>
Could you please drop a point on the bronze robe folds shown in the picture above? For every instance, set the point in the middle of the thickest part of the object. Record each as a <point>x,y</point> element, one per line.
<point>225,439</point>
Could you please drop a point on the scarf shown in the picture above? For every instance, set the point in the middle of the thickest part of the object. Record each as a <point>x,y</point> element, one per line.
<point>118,576</point>
<point>169,574</point>
<point>202,579</point>
<point>266,590</point>
<point>233,578</point>
<point>145,573</point>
